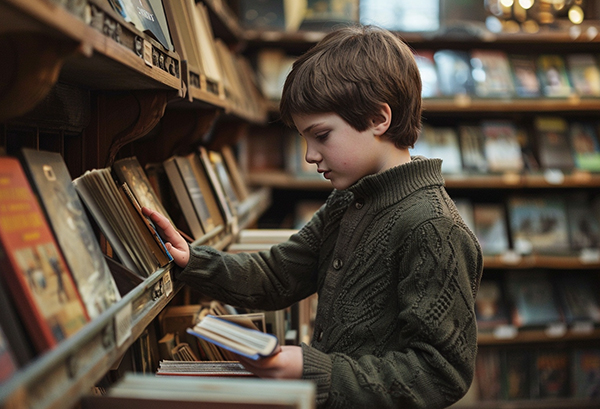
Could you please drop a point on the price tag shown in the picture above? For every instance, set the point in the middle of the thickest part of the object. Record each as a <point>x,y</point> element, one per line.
<point>123,324</point>
<point>583,327</point>
<point>167,284</point>
<point>556,330</point>
<point>589,256</point>
<point>554,176</point>
<point>505,332</point>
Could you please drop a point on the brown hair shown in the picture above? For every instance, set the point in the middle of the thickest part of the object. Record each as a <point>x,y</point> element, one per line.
<point>353,71</point>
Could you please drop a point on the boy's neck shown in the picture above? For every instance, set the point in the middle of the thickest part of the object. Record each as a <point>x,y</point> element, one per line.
<point>395,157</point>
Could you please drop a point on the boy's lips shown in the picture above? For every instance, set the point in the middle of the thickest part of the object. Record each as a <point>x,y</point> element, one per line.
<point>324,172</point>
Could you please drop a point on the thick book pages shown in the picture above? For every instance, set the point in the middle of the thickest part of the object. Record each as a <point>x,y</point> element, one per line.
<point>236,338</point>
<point>52,182</point>
<point>202,368</point>
<point>120,222</point>
<point>34,270</point>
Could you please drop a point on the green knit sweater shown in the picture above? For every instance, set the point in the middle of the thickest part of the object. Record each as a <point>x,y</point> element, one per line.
<point>396,271</point>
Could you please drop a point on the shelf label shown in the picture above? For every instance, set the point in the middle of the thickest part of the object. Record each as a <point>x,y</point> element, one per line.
<point>583,327</point>
<point>589,256</point>
<point>505,332</point>
<point>167,284</point>
<point>123,324</point>
<point>147,46</point>
<point>511,257</point>
<point>556,330</point>
<point>554,176</point>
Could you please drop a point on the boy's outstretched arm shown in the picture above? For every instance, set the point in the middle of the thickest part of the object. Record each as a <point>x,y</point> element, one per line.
<point>176,245</point>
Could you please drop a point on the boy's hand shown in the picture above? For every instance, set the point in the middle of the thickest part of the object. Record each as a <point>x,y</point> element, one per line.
<point>286,364</point>
<point>176,245</point>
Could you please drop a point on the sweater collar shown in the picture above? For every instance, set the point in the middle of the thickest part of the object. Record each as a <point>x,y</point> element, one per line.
<point>395,184</point>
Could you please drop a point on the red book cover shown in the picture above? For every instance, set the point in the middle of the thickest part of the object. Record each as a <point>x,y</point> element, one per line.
<point>35,271</point>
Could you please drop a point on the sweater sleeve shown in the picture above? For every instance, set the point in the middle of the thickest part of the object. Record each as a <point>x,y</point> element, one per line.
<point>270,280</point>
<point>429,360</point>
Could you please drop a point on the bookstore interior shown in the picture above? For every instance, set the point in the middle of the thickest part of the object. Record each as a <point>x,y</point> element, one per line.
<point>110,106</point>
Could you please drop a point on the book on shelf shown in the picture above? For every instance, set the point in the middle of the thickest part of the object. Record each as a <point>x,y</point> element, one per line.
<point>584,74</point>
<point>584,226</point>
<point>488,372</point>
<point>217,217</point>
<point>585,370</point>
<point>190,392</point>
<point>236,337</point>
<point>35,273</point>
<point>553,75</point>
<point>578,297</point>
<point>454,72</point>
<point>229,213</point>
<point>189,195</point>
<point>490,306</point>
<point>429,75</point>
<point>202,368</point>
<point>585,145</point>
<point>472,148</point>
<point>180,27</point>
<point>205,39</point>
<point>490,227</point>
<point>234,171</point>
<point>491,73</point>
<point>554,150</point>
<point>551,374</point>
<point>263,15</point>
<point>8,362</point>
<point>516,374</point>
<point>501,146</point>
<point>538,224</point>
<point>525,76</point>
<point>273,66</point>
<point>116,213</point>
<point>295,162</point>
<point>147,16</point>
<point>533,300</point>
<point>225,179</point>
<point>442,142</point>
<point>51,181</point>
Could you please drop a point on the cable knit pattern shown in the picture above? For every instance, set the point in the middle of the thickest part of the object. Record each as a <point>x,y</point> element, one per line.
<point>396,270</point>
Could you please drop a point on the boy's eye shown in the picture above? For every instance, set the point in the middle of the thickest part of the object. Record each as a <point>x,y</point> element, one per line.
<point>322,136</point>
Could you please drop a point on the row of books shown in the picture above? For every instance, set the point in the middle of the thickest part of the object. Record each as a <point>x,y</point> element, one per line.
<point>488,73</point>
<point>500,146</point>
<point>541,373</point>
<point>541,224</point>
<point>56,276</point>
<point>538,300</point>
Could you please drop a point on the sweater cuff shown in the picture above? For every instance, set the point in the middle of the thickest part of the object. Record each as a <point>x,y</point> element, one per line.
<point>317,368</point>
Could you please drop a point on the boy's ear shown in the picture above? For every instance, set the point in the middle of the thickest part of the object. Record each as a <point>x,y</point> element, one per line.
<point>381,122</point>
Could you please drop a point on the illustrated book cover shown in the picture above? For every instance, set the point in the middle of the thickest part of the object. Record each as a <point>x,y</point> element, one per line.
<point>492,74</point>
<point>501,146</point>
<point>585,367</point>
<point>585,146</point>
<point>551,369</point>
<point>578,295</point>
<point>490,305</point>
<point>538,224</point>
<point>454,72</point>
<point>533,300</point>
<point>472,148</point>
<point>35,273</point>
<point>552,72</point>
<point>490,227</point>
<point>524,70</point>
<point>554,150</point>
<point>72,229</point>
<point>585,74</point>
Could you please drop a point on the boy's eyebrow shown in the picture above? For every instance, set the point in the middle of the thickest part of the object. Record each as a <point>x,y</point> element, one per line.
<point>308,128</point>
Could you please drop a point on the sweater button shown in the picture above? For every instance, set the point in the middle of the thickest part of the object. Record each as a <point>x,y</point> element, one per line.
<point>337,263</point>
<point>320,336</point>
<point>358,205</point>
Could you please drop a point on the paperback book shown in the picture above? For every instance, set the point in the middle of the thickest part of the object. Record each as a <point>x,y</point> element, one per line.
<point>585,367</point>
<point>554,150</point>
<point>585,145</point>
<point>491,74</point>
<point>472,148</point>
<point>454,72</point>
<point>235,337</point>
<point>551,370</point>
<point>501,145</point>
<point>553,75</point>
<point>490,227</point>
<point>585,74</point>
<point>524,70</point>
<point>490,306</point>
<point>533,299</point>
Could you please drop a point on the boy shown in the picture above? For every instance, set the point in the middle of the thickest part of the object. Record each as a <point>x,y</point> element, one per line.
<point>395,268</point>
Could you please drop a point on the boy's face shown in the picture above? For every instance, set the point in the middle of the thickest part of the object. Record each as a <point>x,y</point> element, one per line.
<point>342,154</point>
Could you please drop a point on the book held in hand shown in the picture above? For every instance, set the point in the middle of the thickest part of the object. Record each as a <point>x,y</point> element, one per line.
<point>236,337</point>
